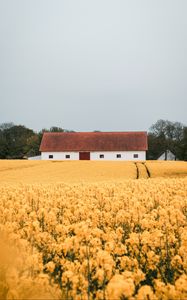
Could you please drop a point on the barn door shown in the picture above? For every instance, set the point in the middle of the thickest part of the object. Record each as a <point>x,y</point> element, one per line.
<point>84,155</point>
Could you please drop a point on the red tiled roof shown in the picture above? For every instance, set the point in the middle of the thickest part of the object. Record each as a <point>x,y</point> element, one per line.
<point>93,141</point>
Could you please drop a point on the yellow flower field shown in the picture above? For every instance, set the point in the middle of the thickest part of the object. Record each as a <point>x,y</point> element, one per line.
<point>65,171</point>
<point>167,168</point>
<point>23,171</point>
<point>85,230</point>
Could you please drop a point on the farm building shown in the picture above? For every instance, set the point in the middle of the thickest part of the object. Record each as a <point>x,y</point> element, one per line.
<point>38,157</point>
<point>94,146</point>
<point>167,155</point>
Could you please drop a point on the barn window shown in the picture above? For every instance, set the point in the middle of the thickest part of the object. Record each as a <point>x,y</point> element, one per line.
<point>135,155</point>
<point>50,156</point>
<point>101,156</point>
<point>67,156</point>
<point>118,155</point>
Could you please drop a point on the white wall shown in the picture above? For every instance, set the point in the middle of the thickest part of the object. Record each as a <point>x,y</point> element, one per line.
<point>170,156</point>
<point>60,155</point>
<point>38,157</point>
<point>125,155</point>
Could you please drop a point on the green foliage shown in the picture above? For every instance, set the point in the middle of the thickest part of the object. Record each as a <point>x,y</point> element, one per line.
<point>18,141</point>
<point>15,139</point>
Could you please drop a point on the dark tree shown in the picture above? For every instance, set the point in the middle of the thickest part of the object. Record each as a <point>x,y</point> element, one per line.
<point>56,129</point>
<point>184,145</point>
<point>32,145</point>
<point>171,130</point>
<point>5,126</point>
<point>3,145</point>
<point>16,139</point>
<point>156,146</point>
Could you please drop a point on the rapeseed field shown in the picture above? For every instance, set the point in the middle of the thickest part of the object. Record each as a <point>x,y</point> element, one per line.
<point>93,230</point>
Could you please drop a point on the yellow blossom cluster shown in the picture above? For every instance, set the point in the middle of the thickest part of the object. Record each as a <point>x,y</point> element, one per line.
<point>101,240</point>
<point>21,270</point>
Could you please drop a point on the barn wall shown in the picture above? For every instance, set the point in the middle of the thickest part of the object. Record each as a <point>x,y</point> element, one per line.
<point>125,155</point>
<point>60,155</point>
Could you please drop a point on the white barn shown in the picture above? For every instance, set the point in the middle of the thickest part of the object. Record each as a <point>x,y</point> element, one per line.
<point>94,146</point>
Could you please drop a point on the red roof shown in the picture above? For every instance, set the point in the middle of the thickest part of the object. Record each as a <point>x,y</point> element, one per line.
<point>93,141</point>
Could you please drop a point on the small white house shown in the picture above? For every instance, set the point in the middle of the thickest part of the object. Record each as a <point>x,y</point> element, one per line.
<point>167,155</point>
<point>94,146</point>
<point>38,157</point>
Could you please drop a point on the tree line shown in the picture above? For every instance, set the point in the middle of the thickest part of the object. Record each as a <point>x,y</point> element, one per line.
<point>19,142</point>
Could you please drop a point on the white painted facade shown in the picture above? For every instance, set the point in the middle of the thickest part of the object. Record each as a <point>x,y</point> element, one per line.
<point>112,155</point>
<point>38,157</point>
<point>168,155</point>
<point>60,155</point>
<point>101,155</point>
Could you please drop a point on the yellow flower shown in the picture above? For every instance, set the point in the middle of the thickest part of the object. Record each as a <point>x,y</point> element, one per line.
<point>181,284</point>
<point>145,293</point>
<point>50,266</point>
<point>118,287</point>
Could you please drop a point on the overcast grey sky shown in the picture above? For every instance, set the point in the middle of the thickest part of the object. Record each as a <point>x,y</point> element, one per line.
<point>93,64</point>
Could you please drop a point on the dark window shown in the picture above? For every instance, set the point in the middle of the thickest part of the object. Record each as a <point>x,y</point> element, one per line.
<point>118,155</point>
<point>67,156</point>
<point>101,155</point>
<point>50,156</point>
<point>135,155</point>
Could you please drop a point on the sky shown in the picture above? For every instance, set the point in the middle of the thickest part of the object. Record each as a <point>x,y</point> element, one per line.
<point>85,65</point>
